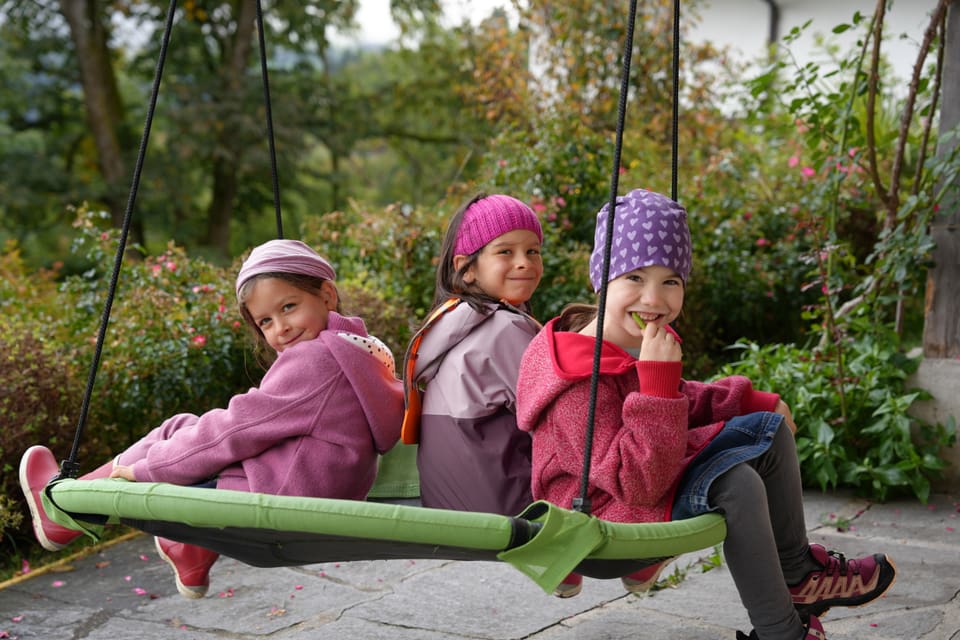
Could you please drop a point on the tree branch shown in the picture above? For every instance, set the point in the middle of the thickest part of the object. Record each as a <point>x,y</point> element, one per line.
<point>874,73</point>
<point>893,196</point>
<point>935,98</point>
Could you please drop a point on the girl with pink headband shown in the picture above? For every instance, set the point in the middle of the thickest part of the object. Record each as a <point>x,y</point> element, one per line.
<point>461,368</point>
<point>328,404</point>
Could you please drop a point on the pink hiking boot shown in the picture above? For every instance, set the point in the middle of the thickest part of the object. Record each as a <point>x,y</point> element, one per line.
<point>37,467</point>
<point>842,582</point>
<point>191,565</point>
<point>812,626</point>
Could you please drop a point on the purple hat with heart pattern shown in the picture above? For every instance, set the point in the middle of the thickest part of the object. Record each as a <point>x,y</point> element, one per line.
<point>648,229</point>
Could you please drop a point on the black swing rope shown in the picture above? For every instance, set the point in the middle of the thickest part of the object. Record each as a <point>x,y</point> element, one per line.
<point>70,468</point>
<point>582,502</point>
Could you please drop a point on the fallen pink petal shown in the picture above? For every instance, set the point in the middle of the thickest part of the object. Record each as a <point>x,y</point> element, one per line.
<point>57,583</point>
<point>16,618</point>
<point>25,567</point>
<point>140,591</point>
<point>298,587</point>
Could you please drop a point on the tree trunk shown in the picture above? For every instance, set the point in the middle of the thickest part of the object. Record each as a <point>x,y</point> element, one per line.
<point>105,112</point>
<point>941,331</point>
<point>227,164</point>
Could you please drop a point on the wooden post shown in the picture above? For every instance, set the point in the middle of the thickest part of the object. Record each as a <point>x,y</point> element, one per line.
<point>941,330</point>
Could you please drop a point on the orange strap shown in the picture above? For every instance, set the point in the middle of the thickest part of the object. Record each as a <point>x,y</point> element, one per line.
<point>410,430</point>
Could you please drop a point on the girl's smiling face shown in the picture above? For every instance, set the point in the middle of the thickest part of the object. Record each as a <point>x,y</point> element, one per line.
<point>654,294</point>
<point>508,268</point>
<point>287,315</point>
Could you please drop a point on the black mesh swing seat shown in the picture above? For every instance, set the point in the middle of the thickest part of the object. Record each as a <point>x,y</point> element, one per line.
<point>545,542</point>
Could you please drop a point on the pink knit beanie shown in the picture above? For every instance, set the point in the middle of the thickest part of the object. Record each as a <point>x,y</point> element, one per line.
<point>649,229</point>
<point>490,217</point>
<point>284,256</point>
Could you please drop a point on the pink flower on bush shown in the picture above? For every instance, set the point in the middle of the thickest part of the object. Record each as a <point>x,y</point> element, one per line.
<point>808,172</point>
<point>559,201</point>
<point>502,163</point>
<point>793,161</point>
<point>762,242</point>
<point>155,269</point>
<point>199,340</point>
<point>171,265</point>
<point>538,207</point>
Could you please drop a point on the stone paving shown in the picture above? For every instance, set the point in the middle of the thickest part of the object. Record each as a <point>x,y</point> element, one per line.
<point>124,591</point>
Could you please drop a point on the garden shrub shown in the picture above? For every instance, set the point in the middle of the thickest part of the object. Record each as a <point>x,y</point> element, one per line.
<point>175,342</point>
<point>853,425</point>
<point>392,252</point>
<point>39,405</point>
<point>386,319</point>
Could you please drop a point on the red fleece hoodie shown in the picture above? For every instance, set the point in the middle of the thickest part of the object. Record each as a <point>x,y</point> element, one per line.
<point>648,423</point>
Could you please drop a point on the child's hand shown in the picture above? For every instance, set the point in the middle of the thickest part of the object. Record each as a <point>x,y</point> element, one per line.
<point>784,409</point>
<point>659,345</point>
<point>121,471</point>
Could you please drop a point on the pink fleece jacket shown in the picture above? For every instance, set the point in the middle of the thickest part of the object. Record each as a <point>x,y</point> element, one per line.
<point>313,427</point>
<point>648,423</point>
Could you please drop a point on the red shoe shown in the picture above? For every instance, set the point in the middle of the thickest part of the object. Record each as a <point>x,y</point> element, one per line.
<point>842,582</point>
<point>571,586</point>
<point>191,565</point>
<point>37,467</point>
<point>812,626</point>
<point>815,629</point>
<point>643,580</point>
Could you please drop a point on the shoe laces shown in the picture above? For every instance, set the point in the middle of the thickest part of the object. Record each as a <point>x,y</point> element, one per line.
<point>838,564</point>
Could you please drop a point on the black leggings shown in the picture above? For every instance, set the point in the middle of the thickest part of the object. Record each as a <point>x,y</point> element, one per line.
<point>766,549</point>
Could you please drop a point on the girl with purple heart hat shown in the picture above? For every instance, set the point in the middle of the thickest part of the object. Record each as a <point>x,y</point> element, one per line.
<point>665,448</point>
<point>329,403</point>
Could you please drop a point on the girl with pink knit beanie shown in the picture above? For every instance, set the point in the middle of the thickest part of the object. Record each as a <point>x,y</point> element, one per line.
<point>460,370</point>
<point>665,448</point>
<point>326,407</point>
